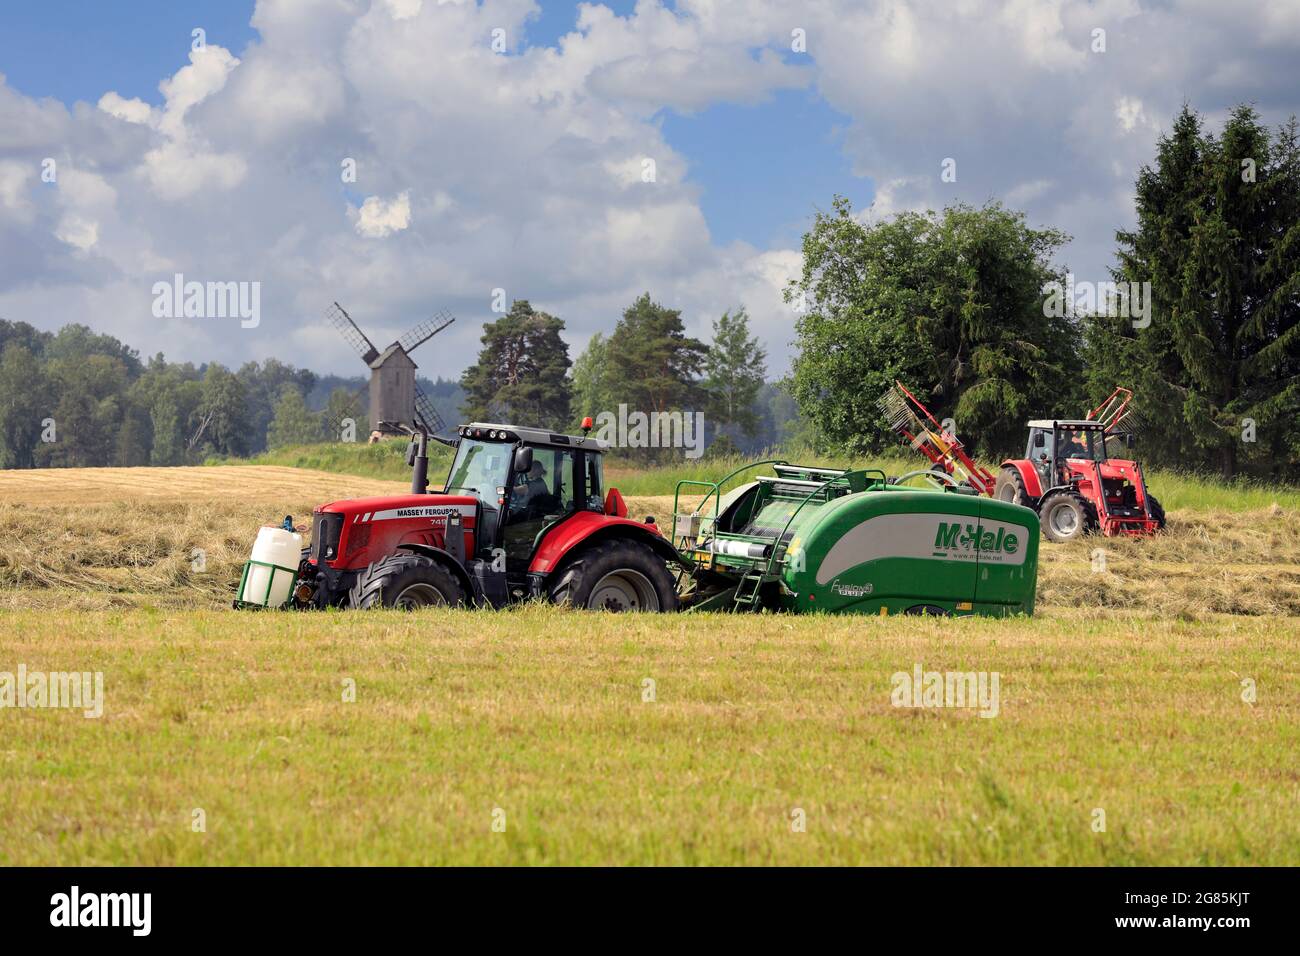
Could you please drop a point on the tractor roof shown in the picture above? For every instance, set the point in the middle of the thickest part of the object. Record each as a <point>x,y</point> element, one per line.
<point>1066,423</point>
<point>492,431</point>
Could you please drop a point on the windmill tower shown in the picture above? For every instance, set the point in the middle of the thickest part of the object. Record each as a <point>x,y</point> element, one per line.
<point>394,396</point>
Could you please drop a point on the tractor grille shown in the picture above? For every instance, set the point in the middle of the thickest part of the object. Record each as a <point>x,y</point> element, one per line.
<point>326,528</point>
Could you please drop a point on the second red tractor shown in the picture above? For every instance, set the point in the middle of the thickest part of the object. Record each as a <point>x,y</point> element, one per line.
<point>1067,475</point>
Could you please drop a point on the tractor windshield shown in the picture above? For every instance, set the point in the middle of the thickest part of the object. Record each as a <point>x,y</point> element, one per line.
<point>1086,443</point>
<point>481,469</point>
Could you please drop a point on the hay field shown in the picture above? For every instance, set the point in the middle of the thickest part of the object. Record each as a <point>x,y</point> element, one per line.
<point>1127,694</point>
<point>63,487</point>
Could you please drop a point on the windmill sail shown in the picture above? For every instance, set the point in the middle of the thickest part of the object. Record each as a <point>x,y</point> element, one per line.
<point>421,333</point>
<point>426,414</point>
<point>351,333</point>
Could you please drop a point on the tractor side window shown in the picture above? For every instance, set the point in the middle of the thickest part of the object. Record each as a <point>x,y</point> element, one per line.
<point>595,483</point>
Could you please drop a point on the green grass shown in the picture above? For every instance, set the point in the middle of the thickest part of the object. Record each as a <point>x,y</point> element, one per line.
<point>388,460</point>
<point>539,713</point>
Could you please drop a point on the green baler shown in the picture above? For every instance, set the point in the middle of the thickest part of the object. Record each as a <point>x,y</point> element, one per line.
<point>808,539</point>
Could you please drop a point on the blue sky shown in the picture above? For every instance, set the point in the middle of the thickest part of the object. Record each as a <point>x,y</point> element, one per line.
<point>523,172</point>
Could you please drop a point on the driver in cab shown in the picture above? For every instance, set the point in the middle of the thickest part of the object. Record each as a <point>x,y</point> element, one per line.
<point>529,488</point>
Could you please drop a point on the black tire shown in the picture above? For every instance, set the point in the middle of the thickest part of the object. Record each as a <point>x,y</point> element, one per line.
<point>407,581</point>
<point>1010,487</point>
<point>620,575</point>
<point>1157,511</point>
<point>1064,516</point>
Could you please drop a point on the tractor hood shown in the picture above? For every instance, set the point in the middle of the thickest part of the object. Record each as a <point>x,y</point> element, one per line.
<point>378,507</point>
<point>354,532</point>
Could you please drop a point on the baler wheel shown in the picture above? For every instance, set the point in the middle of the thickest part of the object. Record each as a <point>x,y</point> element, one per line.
<point>616,575</point>
<point>406,581</point>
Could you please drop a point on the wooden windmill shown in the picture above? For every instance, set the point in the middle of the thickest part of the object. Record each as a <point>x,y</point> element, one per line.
<point>394,396</point>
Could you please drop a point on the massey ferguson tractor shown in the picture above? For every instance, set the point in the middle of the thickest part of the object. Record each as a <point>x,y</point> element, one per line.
<point>524,514</point>
<point>1067,475</point>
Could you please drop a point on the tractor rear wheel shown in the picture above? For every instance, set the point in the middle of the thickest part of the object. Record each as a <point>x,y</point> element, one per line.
<point>616,576</point>
<point>406,581</point>
<point>1157,512</point>
<point>1010,487</point>
<point>1064,517</point>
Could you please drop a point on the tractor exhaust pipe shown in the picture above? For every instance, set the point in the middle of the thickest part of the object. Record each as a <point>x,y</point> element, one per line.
<point>417,454</point>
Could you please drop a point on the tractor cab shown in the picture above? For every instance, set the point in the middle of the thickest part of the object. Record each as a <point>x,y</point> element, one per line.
<point>1052,443</point>
<point>527,479</point>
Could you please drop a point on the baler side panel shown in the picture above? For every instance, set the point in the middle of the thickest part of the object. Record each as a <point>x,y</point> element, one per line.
<point>1007,571</point>
<point>891,549</point>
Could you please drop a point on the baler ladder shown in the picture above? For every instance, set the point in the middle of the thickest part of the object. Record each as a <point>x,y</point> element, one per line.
<point>748,589</point>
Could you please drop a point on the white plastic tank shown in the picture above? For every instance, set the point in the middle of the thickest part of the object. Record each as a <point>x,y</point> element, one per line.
<point>269,586</point>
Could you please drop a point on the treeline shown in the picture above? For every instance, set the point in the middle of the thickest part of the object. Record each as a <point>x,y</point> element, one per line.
<point>646,365</point>
<point>77,398</point>
<point>967,307</point>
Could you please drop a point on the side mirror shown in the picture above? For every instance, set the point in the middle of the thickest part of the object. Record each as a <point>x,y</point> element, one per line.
<point>523,458</point>
<point>1040,440</point>
<point>1130,440</point>
<point>411,450</point>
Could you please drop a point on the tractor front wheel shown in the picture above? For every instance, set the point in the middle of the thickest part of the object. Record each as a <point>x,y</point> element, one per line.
<point>1010,487</point>
<point>1064,517</point>
<point>1157,512</point>
<point>407,582</point>
<point>616,576</point>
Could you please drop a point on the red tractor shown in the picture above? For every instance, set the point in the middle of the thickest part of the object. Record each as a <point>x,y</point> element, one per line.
<point>1067,474</point>
<point>524,514</point>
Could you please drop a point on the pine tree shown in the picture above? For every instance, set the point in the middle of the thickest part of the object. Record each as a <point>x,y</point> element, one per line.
<point>653,365</point>
<point>521,375</point>
<point>1218,238</point>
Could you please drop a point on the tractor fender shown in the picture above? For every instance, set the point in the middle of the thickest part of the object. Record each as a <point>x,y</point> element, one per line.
<point>1028,474</point>
<point>586,528</point>
<point>444,558</point>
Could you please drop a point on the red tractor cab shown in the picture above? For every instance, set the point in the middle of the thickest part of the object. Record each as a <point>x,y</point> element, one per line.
<point>1069,478</point>
<point>524,514</point>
